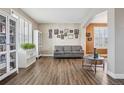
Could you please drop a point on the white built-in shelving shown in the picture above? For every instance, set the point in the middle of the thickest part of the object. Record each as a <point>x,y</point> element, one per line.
<point>8,50</point>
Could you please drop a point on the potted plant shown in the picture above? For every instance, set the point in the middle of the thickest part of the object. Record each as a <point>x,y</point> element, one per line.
<point>96,55</point>
<point>27,55</point>
<point>27,46</point>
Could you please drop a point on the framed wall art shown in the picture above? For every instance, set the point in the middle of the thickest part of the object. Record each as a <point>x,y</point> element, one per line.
<point>62,36</point>
<point>70,36</point>
<point>66,30</point>
<point>56,31</point>
<point>61,31</point>
<point>76,36</point>
<point>71,31</point>
<point>65,34</point>
<point>58,36</point>
<point>89,39</point>
<point>50,33</point>
<point>87,34</point>
<point>76,31</point>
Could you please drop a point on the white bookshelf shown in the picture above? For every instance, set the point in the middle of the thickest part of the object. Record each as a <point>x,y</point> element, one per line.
<point>8,51</point>
<point>37,39</point>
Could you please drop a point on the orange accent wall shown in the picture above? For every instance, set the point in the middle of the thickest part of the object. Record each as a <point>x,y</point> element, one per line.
<point>90,44</point>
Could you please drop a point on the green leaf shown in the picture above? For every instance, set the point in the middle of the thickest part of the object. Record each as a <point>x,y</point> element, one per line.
<point>27,46</point>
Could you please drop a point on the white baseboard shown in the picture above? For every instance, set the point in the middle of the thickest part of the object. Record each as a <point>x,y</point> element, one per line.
<point>115,76</point>
<point>47,55</point>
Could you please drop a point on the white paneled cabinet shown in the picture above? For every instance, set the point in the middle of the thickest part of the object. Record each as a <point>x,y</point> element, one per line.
<point>26,57</point>
<point>8,50</point>
<point>38,42</point>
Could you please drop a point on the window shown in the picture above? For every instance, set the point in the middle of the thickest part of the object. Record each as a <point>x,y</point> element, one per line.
<point>100,37</point>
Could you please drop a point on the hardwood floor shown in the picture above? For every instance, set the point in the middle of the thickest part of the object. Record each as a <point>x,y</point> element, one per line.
<point>50,71</point>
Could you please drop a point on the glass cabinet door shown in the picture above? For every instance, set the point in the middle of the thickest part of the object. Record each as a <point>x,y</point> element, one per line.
<point>3,53</point>
<point>3,64</point>
<point>12,60</point>
<point>12,31</point>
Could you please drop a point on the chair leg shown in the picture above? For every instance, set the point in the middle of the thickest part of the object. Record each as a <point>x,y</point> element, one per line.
<point>90,66</point>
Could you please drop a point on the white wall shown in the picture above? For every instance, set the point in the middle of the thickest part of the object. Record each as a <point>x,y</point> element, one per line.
<point>48,44</point>
<point>111,41</point>
<point>119,27</point>
<point>116,43</point>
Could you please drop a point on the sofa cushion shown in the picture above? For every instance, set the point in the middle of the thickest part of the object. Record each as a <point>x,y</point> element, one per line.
<point>77,52</point>
<point>67,52</point>
<point>59,48</point>
<point>59,52</point>
<point>67,48</point>
<point>76,48</point>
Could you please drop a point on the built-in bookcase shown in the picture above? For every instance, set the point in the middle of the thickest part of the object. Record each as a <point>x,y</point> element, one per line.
<point>3,45</point>
<point>8,56</point>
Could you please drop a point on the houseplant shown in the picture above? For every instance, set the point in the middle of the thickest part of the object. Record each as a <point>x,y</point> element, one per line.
<point>27,55</point>
<point>27,46</point>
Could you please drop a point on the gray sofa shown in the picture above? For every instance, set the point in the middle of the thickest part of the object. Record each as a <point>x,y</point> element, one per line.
<point>68,52</point>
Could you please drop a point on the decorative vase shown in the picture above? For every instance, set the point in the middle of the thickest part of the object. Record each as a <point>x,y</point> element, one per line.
<point>95,53</point>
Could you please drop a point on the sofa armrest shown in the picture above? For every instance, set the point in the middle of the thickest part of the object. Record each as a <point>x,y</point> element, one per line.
<point>82,51</point>
<point>55,50</point>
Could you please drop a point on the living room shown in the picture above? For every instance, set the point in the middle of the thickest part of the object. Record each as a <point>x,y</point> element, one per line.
<point>52,50</point>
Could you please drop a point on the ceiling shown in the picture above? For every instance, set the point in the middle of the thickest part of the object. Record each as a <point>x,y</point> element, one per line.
<point>62,15</point>
<point>100,18</point>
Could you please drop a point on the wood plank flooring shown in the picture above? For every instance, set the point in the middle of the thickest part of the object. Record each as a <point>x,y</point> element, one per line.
<point>50,71</point>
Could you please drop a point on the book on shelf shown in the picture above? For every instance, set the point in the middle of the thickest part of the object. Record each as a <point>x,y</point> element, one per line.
<point>2,48</point>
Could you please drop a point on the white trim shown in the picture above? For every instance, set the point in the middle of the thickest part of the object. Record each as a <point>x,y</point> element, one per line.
<point>7,74</point>
<point>115,76</point>
<point>47,54</point>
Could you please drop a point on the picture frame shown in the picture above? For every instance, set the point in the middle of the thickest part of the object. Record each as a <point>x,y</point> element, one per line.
<point>66,30</point>
<point>70,36</point>
<point>50,33</point>
<point>71,31</point>
<point>62,36</point>
<point>89,39</point>
<point>76,36</point>
<point>61,31</point>
<point>76,31</point>
<point>56,31</point>
<point>58,36</point>
<point>65,34</point>
<point>88,34</point>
